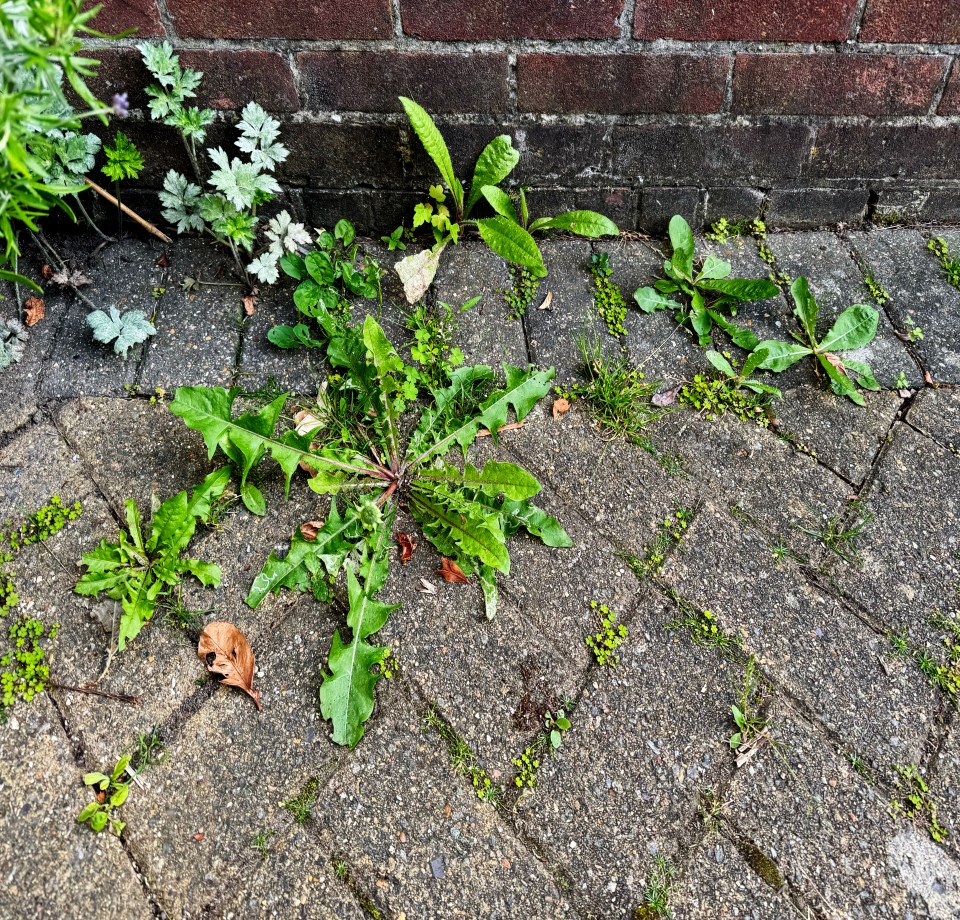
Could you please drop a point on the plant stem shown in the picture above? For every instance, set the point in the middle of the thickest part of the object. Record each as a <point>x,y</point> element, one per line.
<point>192,155</point>
<point>90,220</point>
<point>47,250</point>
<point>122,697</point>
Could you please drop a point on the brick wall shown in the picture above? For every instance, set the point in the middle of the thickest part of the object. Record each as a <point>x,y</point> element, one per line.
<point>816,110</point>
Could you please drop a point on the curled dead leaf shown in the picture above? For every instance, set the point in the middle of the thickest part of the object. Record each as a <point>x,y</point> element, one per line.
<point>546,301</point>
<point>307,421</point>
<point>665,397</point>
<point>310,529</point>
<point>928,379</point>
<point>249,304</point>
<point>837,362</point>
<point>561,406</point>
<point>511,426</point>
<point>68,279</point>
<point>47,271</point>
<point>34,309</point>
<point>163,261</point>
<point>451,573</point>
<point>226,652</point>
<point>407,546</point>
<point>427,587</point>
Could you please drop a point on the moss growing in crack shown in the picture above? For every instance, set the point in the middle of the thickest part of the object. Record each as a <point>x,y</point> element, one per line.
<point>701,626</point>
<point>876,290</point>
<point>608,638</point>
<point>607,296</point>
<point>762,864</point>
<point>301,805</point>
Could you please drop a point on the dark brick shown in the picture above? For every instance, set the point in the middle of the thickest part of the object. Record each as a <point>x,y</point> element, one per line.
<point>912,203</point>
<point>342,156</point>
<point>299,19</point>
<point>950,103</point>
<point>881,152</point>
<point>120,15</point>
<point>370,81</point>
<point>696,152</point>
<point>121,70</point>
<point>450,20</point>
<point>767,20</point>
<point>324,208</point>
<point>159,144</point>
<point>619,204</point>
<point>232,78</point>
<point>916,21</point>
<point>805,208</point>
<point>835,84</point>
<point>658,205</point>
<point>624,84</point>
<point>735,203</point>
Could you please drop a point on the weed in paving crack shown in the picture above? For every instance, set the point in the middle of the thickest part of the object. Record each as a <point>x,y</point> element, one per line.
<point>462,758</point>
<point>150,750</point>
<point>261,843</point>
<point>301,805</point>
<point>657,891</point>
<point>951,267</point>
<point>111,793</point>
<point>877,291</point>
<point>523,288</point>
<point>701,626</point>
<point>669,533</point>
<point>608,638</point>
<point>840,537</point>
<point>711,805</point>
<point>746,711</point>
<point>607,298</point>
<point>914,801</point>
<point>862,767</point>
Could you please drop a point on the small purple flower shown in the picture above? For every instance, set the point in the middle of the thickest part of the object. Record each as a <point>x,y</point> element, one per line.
<point>120,105</point>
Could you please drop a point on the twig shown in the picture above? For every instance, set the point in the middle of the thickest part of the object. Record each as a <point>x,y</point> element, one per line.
<point>89,220</point>
<point>50,252</point>
<point>122,697</point>
<point>150,228</point>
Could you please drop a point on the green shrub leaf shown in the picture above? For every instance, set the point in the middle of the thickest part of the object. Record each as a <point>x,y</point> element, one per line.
<point>854,328</point>
<point>583,223</point>
<point>495,163</point>
<point>511,242</point>
<point>436,148</point>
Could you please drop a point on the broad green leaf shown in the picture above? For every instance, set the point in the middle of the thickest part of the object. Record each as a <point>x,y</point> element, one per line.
<point>742,289</point>
<point>176,519</point>
<point>207,573</point>
<point>120,796</point>
<point>94,779</point>
<point>417,271</point>
<point>133,524</point>
<point>345,232</point>
<point>720,363</point>
<point>805,307</point>
<point>758,387</point>
<point>535,521</point>
<point>495,163</point>
<point>501,202</point>
<point>753,361</point>
<point>436,148</point>
<point>293,265</point>
<point>702,323</point>
<point>98,821</point>
<point>511,242</point>
<point>583,223</point>
<point>854,328</point>
<point>738,335</point>
<point>861,372</point>
<point>781,355</point>
<point>649,300</point>
<point>495,478</point>
<point>320,266</point>
<point>88,812</point>
<point>714,267</point>
<point>681,239</point>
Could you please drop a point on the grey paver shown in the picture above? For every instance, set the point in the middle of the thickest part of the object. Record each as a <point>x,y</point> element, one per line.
<point>53,866</point>
<point>937,413</point>
<point>829,833</point>
<point>910,564</point>
<point>804,639</point>
<point>945,787</point>
<point>911,275</point>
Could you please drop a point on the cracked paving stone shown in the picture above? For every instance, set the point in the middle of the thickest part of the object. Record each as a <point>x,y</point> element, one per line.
<point>52,865</point>
<point>945,787</point>
<point>646,735</point>
<point>227,773</point>
<point>396,805</point>
<point>805,640</point>
<point>825,830</point>
<point>910,548</point>
<point>912,276</point>
<point>937,414</point>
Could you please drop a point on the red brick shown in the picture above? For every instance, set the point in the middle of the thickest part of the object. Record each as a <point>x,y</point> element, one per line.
<point>450,20</point>
<point>623,84</point>
<point>911,21</point>
<point>950,103</point>
<point>835,84</point>
<point>300,19</point>
<point>370,81</point>
<point>120,15</point>
<point>231,79</point>
<point>767,20</point>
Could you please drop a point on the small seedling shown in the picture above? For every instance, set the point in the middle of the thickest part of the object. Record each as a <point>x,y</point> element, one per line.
<point>394,240</point>
<point>711,805</point>
<point>433,329</point>
<point>261,843</point>
<point>670,532</point>
<point>901,383</point>
<point>751,727</point>
<point>898,644</point>
<point>657,891</point>
<point>607,299</point>
<point>876,290</point>
<point>914,332</point>
<point>840,532</point>
<point>301,805</point>
<point>523,288</point>
<point>702,627</point>
<point>862,767</point>
<point>341,869</point>
<point>916,802</point>
<point>462,758</point>
<point>609,637</point>
<point>950,266</point>
<point>150,750</point>
<point>111,793</point>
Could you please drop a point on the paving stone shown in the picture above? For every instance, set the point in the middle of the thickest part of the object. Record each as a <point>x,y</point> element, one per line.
<point>242,765</point>
<point>417,839</point>
<point>839,433</point>
<point>945,787</point>
<point>485,333</point>
<point>805,640</point>
<point>646,736</point>
<point>717,882</point>
<point>296,879</point>
<point>829,834</point>
<point>911,275</point>
<point>552,333</point>
<point>53,866</point>
<point>910,563</point>
<point>738,464</point>
<point>937,414</point>
<point>198,332</point>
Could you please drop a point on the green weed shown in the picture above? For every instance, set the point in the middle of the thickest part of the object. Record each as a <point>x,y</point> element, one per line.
<point>951,267</point>
<point>301,805</point>
<point>657,891</point>
<point>462,758</point>
<point>111,793</point>
<point>608,638</point>
<point>607,298</point>
<point>915,801</point>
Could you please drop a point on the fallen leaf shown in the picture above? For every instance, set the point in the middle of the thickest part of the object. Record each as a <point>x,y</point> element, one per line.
<point>307,421</point>
<point>416,272</point>
<point>190,284</point>
<point>163,261</point>
<point>837,362</point>
<point>407,546</point>
<point>546,301</point>
<point>249,304</point>
<point>34,310</point>
<point>928,379</point>
<point>451,573</point>
<point>47,271</point>
<point>310,529</point>
<point>665,397</point>
<point>904,394</point>
<point>74,279</point>
<point>232,656</point>
<point>512,426</point>
<point>198,836</point>
<point>560,407</point>
<point>427,587</point>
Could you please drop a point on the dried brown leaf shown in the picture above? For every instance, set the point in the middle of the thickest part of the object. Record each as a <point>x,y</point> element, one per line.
<point>561,406</point>
<point>249,304</point>
<point>74,279</point>
<point>427,587</point>
<point>512,426</point>
<point>407,546</point>
<point>34,310</point>
<point>665,397</point>
<point>546,301</point>
<point>451,573</point>
<point>47,271</point>
<point>232,656</point>
<point>837,362</point>
<point>307,421</point>
<point>163,261</point>
<point>310,529</point>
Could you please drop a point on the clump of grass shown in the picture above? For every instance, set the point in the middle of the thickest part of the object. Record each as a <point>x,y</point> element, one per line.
<point>657,891</point>
<point>841,532</point>
<point>702,626</point>
<point>301,805</point>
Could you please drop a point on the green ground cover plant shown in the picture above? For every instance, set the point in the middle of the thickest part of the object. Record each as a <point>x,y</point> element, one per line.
<point>111,792</point>
<point>607,299</point>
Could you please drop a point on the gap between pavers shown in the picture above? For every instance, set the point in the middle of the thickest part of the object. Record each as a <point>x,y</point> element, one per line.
<point>937,414</point>
<point>944,786</point>
<point>805,640</point>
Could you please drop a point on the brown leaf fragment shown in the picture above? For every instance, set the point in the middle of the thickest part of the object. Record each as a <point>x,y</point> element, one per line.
<point>407,546</point>
<point>226,652</point>
<point>665,397</point>
<point>837,362</point>
<point>511,426</point>
<point>928,379</point>
<point>310,529</point>
<point>451,573</point>
<point>163,261</point>
<point>68,279</point>
<point>427,587</point>
<point>34,310</point>
<point>561,406</point>
<point>307,421</point>
<point>249,304</point>
<point>546,301</point>
<point>47,271</point>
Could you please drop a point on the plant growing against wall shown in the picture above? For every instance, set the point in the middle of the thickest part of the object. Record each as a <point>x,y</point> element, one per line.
<point>468,514</point>
<point>707,290</point>
<point>508,234</point>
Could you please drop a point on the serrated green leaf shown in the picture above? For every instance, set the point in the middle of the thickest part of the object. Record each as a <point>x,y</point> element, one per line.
<point>471,526</point>
<point>742,289</point>
<point>840,382</point>
<point>753,361</point>
<point>436,147</point>
<point>487,577</point>
<point>495,478</point>
<point>861,373</point>
<point>495,163</point>
<point>511,242</point>
<point>649,300</point>
<point>738,335</point>
<point>176,519</point>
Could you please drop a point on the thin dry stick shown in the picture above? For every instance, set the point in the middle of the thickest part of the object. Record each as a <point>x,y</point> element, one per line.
<point>122,697</point>
<point>129,212</point>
